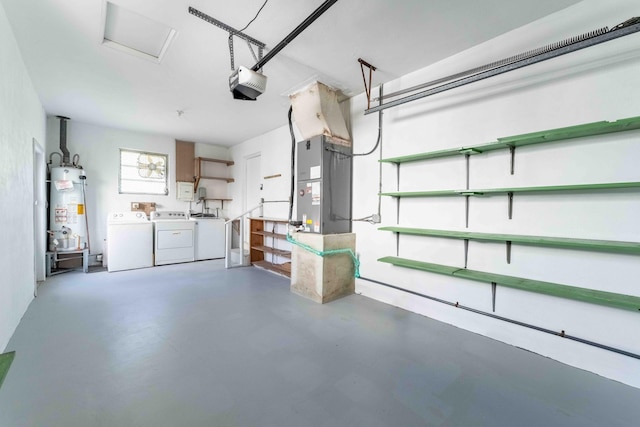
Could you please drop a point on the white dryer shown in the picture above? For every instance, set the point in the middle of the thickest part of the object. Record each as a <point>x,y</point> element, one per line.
<point>129,241</point>
<point>174,237</point>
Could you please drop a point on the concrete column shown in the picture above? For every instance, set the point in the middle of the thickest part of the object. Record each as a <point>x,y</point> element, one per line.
<point>323,279</point>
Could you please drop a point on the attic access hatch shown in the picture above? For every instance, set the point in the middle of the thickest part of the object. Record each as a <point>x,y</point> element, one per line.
<point>135,34</point>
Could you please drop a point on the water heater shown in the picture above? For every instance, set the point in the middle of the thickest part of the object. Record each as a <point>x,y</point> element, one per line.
<point>324,185</point>
<point>67,220</point>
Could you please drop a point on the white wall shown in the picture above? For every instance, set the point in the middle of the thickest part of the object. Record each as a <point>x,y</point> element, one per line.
<point>21,120</point>
<point>99,151</point>
<point>591,85</point>
<point>274,149</point>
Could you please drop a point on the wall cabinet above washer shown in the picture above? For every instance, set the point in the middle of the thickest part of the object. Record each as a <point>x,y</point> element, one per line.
<point>185,155</point>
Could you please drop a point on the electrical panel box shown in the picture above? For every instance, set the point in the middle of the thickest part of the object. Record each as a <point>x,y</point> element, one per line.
<point>185,191</point>
<point>324,185</point>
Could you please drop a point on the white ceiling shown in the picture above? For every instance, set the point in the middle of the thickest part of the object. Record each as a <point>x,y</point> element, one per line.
<point>77,76</point>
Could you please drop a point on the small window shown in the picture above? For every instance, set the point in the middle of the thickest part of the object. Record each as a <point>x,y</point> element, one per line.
<point>142,173</point>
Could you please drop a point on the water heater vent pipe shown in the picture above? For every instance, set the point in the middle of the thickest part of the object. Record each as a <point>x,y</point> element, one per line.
<point>63,140</point>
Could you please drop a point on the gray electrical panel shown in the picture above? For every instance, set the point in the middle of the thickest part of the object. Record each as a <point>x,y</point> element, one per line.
<point>324,186</point>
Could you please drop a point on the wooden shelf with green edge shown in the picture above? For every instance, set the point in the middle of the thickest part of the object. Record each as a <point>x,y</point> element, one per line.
<point>540,137</point>
<point>632,248</point>
<point>513,190</point>
<point>610,299</point>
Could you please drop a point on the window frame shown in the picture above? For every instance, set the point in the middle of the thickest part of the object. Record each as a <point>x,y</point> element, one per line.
<point>166,174</point>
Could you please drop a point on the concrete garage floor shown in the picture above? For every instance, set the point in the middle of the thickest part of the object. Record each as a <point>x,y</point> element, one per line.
<point>198,345</point>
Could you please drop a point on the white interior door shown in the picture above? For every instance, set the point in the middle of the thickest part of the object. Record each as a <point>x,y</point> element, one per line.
<point>253,183</point>
<point>39,214</point>
<point>253,188</point>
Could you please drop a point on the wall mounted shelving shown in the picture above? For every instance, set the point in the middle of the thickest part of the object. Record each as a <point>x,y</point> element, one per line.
<point>560,242</point>
<point>199,176</point>
<point>491,191</point>
<point>610,299</point>
<point>632,248</point>
<point>587,295</point>
<point>511,191</point>
<point>541,137</point>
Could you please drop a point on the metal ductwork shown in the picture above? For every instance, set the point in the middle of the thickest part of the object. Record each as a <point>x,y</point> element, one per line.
<point>66,160</point>
<point>317,112</point>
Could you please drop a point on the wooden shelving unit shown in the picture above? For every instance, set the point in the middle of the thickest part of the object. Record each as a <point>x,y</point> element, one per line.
<point>198,176</point>
<point>265,235</point>
<point>198,170</point>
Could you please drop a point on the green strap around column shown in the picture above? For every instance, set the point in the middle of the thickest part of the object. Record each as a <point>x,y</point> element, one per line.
<point>356,262</point>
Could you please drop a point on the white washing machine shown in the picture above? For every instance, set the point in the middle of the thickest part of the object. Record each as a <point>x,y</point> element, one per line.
<point>129,241</point>
<point>174,237</point>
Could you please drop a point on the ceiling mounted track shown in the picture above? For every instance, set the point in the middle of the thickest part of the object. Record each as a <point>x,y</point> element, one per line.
<point>232,32</point>
<point>261,61</point>
<point>512,63</point>
<point>293,34</point>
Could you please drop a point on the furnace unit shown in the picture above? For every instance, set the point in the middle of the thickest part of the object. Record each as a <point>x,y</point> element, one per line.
<point>324,185</point>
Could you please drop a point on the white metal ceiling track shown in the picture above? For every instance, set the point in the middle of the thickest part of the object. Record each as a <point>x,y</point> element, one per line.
<point>513,63</point>
<point>227,28</point>
<point>293,34</point>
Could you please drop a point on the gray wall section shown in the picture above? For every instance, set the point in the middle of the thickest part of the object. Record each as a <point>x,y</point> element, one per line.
<point>22,120</point>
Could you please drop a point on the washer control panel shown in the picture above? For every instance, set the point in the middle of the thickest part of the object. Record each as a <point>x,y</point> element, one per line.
<point>168,215</point>
<point>116,217</point>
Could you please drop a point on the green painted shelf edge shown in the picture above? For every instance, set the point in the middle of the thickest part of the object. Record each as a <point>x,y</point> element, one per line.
<point>561,242</point>
<point>422,193</point>
<point>488,191</point>
<point>570,132</point>
<point>5,363</point>
<point>610,299</point>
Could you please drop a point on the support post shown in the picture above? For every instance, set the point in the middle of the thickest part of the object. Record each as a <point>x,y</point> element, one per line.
<point>494,288</point>
<point>510,208</point>
<point>466,252</point>
<point>512,150</point>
